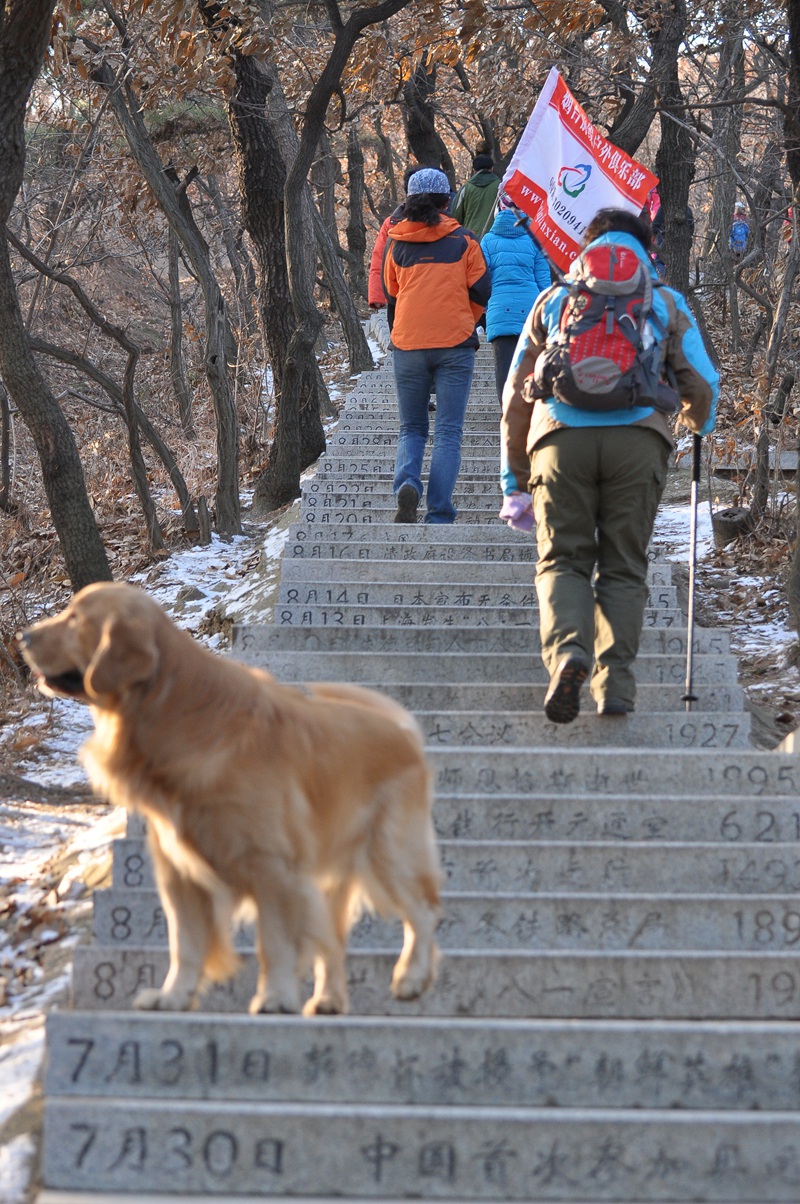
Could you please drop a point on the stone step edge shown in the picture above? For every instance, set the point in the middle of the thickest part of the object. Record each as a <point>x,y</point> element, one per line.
<point>451,844</point>
<point>139,1197</point>
<point>602,1026</point>
<point>779,957</point>
<point>526,898</point>
<point>465,1112</point>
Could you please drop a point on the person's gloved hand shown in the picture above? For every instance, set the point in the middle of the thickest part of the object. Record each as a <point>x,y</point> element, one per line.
<point>517,510</point>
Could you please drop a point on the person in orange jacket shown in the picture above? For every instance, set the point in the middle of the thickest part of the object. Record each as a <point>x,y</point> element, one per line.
<point>437,286</point>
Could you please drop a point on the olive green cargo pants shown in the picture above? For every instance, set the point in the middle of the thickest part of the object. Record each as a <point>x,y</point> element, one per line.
<point>595,495</point>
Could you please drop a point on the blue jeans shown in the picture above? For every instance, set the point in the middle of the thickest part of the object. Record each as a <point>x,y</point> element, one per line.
<point>447,371</point>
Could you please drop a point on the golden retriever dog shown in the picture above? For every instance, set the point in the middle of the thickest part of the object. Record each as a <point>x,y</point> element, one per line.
<point>307,803</point>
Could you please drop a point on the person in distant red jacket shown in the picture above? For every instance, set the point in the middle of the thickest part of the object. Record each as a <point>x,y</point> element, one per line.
<point>375,294</point>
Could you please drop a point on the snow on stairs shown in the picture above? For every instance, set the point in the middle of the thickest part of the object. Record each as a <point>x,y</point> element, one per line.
<point>613,1019</point>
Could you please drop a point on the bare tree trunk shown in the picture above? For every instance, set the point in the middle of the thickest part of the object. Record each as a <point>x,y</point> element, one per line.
<point>736,325</point>
<point>62,474</point>
<point>218,336</point>
<point>114,392</point>
<point>325,175</point>
<point>356,233</point>
<point>138,469</point>
<point>387,202</point>
<point>726,125</point>
<point>131,350</point>
<point>791,130</point>
<point>779,322</point>
<point>5,451</point>
<point>631,126</point>
<point>675,160</point>
<point>24,33</point>
<point>177,371</point>
<point>248,316</point>
<point>768,218</point>
<point>260,162</point>
<point>759,493</point>
<point>419,117</point>
<point>308,317</point>
<point>358,348</point>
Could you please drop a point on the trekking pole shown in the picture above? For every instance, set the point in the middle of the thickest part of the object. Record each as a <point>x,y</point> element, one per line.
<point>689,697</point>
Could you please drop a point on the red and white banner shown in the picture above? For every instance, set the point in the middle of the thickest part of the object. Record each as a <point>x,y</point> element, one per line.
<point>564,170</point>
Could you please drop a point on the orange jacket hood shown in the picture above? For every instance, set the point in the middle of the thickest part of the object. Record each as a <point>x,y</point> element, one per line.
<point>406,231</point>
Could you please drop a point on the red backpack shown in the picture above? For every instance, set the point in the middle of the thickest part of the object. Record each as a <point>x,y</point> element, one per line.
<point>603,357</point>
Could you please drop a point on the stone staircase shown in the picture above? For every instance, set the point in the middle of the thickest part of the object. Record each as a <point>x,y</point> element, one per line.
<point>615,1014</point>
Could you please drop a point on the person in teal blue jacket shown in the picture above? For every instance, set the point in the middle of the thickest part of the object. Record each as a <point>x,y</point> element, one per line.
<point>519,273</point>
<point>594,480</point>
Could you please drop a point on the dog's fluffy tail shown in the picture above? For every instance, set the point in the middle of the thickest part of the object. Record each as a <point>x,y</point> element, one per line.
<point>374,700</point>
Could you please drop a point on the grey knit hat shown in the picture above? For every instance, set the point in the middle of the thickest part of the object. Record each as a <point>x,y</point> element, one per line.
<point>429,179</point>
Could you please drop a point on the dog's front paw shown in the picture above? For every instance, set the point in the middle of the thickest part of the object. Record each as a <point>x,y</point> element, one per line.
<point>153,1000</point>
<point>272,1005</point>
<point>325,1005</point>
<point>410,985</point>
<point>407,989</point>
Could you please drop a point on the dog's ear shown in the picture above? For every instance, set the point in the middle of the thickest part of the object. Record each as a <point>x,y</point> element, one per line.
<point>126,655</point>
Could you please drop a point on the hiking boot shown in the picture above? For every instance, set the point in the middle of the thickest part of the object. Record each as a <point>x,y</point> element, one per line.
<point>563,700</point>
<point>614,706</point>
<point>407,502</point>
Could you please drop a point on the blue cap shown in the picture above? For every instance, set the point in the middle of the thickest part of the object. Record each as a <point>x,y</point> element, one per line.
<point>429,179</point>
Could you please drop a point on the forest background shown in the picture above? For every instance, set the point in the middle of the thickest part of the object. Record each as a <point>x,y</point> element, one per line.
<point>189,192</point>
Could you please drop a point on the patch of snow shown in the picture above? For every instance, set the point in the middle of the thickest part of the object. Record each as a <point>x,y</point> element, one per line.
<point>54,763</point>
<point>20,1060</point>
<point>15,1165</point>
<point>673,527</point>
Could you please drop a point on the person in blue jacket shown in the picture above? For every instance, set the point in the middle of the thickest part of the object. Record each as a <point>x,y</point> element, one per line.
<point>519,274</point>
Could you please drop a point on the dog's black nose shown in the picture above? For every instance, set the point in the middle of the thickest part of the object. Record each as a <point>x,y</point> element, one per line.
<point>23,638</point>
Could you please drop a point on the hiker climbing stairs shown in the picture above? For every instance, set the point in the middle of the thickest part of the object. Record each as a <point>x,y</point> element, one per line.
<point>615,1013</point>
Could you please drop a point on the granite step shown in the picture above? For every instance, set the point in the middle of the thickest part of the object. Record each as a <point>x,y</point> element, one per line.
<point>364,418</point>
<point>341,463</point>
<point>506,920</point>
<point>610,1064</point>
<point>594,772</point>
<point>498,696</point>
<point>337,516</point>
<point>478,1153</point>
<point>253,639</point>
<point>519,984</point>
<point>480,453</point>
<point>484,499</point>
<point>377,383</point>
<point>710,729</point>
<point>472,442</point>
<point>535,866</point>
<point>92,1197</point>
<point>487,534</point>
<point>380,395</point>
<point>465,572</point>
<point>387,548</point>
<point>446,617</point>
<point>384,588</point>
<point>380,668</point>
<point>730,821</point>
<point>466,492</point>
